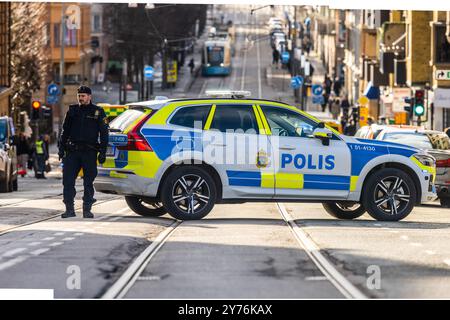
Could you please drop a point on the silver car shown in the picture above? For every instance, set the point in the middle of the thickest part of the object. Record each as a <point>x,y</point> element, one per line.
<point>436,143</point>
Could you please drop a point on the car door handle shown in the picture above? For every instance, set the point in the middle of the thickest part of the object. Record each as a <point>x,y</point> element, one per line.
<point>287,148</point>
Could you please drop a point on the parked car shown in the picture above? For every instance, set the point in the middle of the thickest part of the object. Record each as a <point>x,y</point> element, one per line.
<point>436,143</point>
<point>8,156</point>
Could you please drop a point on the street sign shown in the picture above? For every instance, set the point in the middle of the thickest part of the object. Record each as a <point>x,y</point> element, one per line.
<point>172,71</point>
<point>317,90</point>
<point>442,74</point>
<point>53,89</point>
<point>317,100</point>
<point>285,57</point>
<point>52,99</point>
<point>148,73</point>
<point>296,82</point>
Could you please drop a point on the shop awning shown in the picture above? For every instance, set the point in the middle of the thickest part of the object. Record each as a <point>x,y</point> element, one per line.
<point>372,92</point>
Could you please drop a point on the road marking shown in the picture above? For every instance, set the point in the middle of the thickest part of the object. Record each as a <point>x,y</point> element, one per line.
<point>58,234</point>
<point>120,288</point>
<point>36,243</point>
<point>12,252</point>
<point>333,275</point>
<point>430,252</point>
<point>39,251</point>
<point>377,224</point>
<point>48,239</point>
<point>79,234</point>
<point>149,278</point>
<point>12,262</point>
<point>68,239</point>
<point>55,244</point>
<point>319,278</point>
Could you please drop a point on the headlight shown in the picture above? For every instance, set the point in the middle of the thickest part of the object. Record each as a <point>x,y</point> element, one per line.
<point>426,160</point>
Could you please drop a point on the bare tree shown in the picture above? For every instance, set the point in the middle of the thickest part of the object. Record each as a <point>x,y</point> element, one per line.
<point>29,59</point>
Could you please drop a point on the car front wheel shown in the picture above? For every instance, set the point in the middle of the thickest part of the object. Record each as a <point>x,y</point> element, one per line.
<point>344,210</point>
<point>188,193</point>
<point>144,208</point>
<point>389,195</point>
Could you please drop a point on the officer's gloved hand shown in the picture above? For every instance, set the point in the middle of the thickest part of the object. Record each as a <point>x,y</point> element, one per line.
<point>61,154</point>
<point>101,157</point>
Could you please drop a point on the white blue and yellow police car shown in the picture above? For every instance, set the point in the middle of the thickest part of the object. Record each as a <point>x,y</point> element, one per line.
<point>182,156</point>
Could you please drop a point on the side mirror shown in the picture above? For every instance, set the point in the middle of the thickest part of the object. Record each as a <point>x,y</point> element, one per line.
<point>323,134</point>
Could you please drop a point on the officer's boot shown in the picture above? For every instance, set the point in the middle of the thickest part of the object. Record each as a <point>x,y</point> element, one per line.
<point>87,211</point>
<point>70,211</point>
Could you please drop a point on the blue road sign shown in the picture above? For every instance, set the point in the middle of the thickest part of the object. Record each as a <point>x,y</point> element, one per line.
<point>317,100</point>
<point>317,90</point>
<point>294,83</point>
<point>53,89</point>
<point>300,80</point>
<point>148,73</point>
<point>52,99</point>
<point>285,57</point>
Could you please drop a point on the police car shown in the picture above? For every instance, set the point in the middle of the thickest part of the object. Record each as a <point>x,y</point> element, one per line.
<point>182,156</point>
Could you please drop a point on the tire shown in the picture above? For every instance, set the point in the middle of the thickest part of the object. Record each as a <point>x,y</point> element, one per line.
<point>6,185</point>
<point>144,208</point>
<point>179,185</point>
<point>344,211</point>
<point>382,202</point>
<point>445,202</point>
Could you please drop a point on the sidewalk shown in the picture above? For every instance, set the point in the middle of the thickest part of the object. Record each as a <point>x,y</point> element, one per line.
<point>280,80</point>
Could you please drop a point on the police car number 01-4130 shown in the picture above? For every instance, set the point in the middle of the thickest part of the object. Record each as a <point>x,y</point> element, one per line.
<point>362,147</point>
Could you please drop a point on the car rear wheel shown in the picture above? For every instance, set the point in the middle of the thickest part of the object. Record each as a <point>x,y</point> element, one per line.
<point>144,208</point>
<point>344,210</point>
<point>389,195</point>
<point>188,193</point>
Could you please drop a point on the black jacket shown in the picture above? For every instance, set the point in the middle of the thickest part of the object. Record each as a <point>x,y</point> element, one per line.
<point>85,124</point>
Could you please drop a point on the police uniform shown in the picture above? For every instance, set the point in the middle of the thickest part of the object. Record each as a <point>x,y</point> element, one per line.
<point>84,135</point>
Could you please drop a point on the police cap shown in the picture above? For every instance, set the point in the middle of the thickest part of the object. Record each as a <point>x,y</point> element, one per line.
<point>84,89</point>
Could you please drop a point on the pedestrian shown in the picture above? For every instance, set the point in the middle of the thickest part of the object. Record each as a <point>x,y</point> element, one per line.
<point>191,65</point>
<point>23,151</point>
<point>79,148</point>
<point>335,108</point>
<point>275,57</point>
<point>337,86</point>
<point>40,155</point>
<point>327,83</point>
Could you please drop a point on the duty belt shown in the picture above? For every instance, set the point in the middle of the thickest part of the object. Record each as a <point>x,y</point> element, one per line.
<point>80,146</point>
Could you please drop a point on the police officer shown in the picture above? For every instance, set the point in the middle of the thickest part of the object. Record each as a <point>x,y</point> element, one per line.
<point>83,141</point>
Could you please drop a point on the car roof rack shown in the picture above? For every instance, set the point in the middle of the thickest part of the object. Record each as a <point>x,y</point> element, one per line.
<point>234,94</point>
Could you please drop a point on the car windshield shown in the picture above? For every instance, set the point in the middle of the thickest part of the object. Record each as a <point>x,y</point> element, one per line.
<point>3,128</point>
<point>413,139</point>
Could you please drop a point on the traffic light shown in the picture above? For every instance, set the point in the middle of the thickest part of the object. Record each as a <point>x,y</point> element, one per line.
<point>35,110</point>
<point>419,104</point>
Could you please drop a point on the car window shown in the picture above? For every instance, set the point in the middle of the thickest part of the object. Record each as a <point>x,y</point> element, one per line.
<point>126,119</point>
<point>188,116</point>
<point>413,139</point>
<point>439,141</point>
<point>288,123</point>
<point>3,130</point>
<point>235,119</point>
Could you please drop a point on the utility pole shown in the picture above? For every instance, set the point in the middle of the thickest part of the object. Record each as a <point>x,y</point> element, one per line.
<point>61,67</point>
<point>164,62</point>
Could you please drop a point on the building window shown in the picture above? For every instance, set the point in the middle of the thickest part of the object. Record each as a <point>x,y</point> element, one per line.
<point>70,39</point>
<point>442,46</point>
<point>96,27</point>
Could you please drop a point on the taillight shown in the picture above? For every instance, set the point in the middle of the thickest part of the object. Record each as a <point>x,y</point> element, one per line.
<point>443,163</point>
<point>136,142</point>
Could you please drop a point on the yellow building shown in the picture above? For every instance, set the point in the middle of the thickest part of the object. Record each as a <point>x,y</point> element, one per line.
<point>77,52</point>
